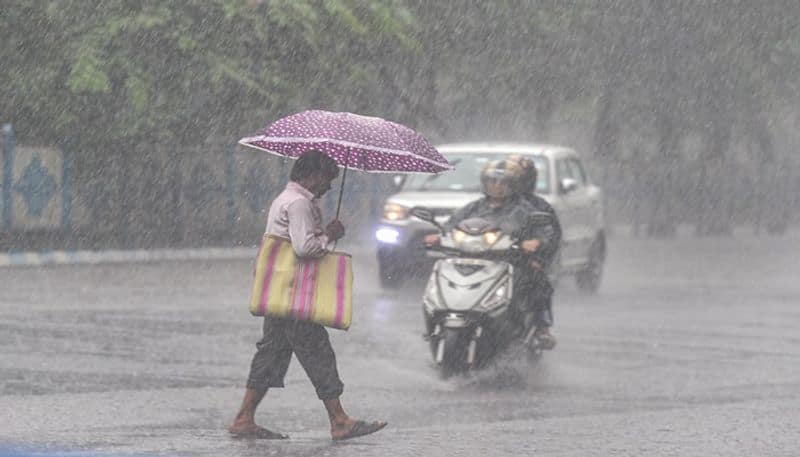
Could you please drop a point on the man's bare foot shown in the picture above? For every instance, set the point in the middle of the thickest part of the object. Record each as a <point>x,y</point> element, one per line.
<point>354,428</point>
<point>253,431</point>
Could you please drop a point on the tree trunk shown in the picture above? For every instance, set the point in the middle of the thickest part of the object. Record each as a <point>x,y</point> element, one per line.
<point>606,134</point>
<point>662,221</point>
<point>544,105</point>
<point>716,212</point>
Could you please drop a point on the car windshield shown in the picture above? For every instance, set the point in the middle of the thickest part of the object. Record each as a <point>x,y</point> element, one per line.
<point>466,176</point>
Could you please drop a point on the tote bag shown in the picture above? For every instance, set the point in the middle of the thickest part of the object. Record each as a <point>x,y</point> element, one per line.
<point>319,290</point>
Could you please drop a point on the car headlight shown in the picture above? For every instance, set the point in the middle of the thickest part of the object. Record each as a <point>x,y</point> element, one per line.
<point>387,235</point>
<point>395,212</point>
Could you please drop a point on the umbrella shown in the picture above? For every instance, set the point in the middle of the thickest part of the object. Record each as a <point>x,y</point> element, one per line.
<point>364,143</point>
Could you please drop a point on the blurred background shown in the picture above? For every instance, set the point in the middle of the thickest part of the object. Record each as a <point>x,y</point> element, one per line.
<point>120,118</point>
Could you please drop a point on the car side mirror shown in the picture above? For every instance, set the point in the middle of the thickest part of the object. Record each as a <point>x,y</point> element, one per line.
<point>398,181</point>
<point>568,185</point>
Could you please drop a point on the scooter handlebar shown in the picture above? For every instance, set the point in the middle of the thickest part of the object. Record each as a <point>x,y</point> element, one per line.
<point>511,254</point>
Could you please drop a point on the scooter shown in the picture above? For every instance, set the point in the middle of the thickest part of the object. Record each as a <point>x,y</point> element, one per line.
<point>468,304</point>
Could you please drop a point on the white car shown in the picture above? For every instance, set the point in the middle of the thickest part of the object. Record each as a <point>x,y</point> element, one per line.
<point>562,181</point>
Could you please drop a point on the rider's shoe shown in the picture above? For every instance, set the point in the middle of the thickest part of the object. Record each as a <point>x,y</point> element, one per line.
<point>544,338</point>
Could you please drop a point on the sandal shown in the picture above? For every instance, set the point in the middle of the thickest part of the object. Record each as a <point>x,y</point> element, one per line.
<point>361,428</point>
<point>258,433</point>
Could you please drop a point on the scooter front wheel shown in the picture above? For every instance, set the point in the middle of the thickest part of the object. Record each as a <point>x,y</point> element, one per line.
<point>451,353</point>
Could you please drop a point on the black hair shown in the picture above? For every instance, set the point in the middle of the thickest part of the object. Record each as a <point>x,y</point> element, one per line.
<point>313,161</point>
<point>527,182</point>
<point>529,178</point>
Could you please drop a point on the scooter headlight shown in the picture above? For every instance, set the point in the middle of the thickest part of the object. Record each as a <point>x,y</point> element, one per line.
<point>459,237</point>
<point>491,237</point>
<point>432,299</point>
<point>474,243</point>
<point>498,295</point>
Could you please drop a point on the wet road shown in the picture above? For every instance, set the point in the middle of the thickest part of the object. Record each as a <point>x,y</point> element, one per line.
<point>692,348</point>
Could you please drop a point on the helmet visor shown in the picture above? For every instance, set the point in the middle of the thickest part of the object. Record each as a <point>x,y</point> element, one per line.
<point>497,184</point>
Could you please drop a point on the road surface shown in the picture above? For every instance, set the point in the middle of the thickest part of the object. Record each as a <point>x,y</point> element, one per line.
<point>692,348</point>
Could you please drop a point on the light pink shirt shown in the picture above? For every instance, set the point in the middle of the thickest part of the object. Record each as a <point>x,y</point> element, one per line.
<point>294,214</point>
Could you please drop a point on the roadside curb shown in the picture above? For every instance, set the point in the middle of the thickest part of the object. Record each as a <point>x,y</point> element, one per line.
<point>36,259</point>
<point>33,259</point>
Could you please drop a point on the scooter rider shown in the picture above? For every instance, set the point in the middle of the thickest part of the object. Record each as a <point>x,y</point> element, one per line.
<point>542,262</point>
<point>502,202</point>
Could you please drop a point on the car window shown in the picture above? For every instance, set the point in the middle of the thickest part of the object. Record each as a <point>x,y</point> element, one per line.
<point>563,170</point>
<point>466,176</point>
<point>570,168</point>
<point>542,174</point>
<point>577,171</point>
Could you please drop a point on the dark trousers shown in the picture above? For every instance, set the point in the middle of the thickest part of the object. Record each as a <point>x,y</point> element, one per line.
<point>309,342</point>
<point>535,295</point>
<point>542,307</point>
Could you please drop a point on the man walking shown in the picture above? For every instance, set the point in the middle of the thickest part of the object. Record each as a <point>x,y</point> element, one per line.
<point>295,215</point>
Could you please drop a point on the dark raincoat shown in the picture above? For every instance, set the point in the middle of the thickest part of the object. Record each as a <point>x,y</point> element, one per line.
<point>532,286</point>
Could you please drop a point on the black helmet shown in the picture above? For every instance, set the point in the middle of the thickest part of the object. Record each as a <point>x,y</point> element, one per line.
<point>528,175</point>
<point>500,178</point>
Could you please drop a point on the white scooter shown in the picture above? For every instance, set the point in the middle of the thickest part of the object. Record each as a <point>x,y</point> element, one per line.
<point>468,304</point>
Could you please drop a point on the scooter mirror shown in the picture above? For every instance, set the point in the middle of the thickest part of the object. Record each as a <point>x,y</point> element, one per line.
<point>422,213</point>
<point>425,214</point>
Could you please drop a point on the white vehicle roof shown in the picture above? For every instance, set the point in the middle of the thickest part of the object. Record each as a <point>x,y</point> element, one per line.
<point>505,148</point>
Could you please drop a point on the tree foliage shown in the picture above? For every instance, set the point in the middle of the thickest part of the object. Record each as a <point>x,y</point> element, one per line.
<point>655,74</point>
<point>127,71</point>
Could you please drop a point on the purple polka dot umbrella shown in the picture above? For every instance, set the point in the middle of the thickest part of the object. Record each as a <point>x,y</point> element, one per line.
<point>364,143</point>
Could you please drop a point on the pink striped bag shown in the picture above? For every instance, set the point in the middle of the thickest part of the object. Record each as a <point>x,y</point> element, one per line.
<point>316,289</point>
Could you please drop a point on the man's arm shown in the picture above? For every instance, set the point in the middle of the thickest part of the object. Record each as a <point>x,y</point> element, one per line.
<point>306,240</point>
<point>548,239</point>
<point>552,241</point>
<point>460,215</point>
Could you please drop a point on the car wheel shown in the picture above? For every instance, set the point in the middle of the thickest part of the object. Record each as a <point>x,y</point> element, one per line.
<point>589,278</point>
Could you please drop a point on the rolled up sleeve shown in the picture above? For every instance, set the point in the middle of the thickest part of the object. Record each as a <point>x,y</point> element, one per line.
<point>307,241</point>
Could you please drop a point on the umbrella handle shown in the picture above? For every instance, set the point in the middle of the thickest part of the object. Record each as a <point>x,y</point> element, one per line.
<point>344,176</point>
<point>339,204</point>
<point>341,190</point>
